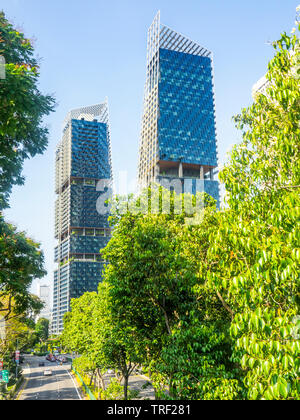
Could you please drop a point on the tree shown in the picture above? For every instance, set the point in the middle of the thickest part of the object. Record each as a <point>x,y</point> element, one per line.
<point>42,329</point>
<point>254,253</point>
<point>22,135</point>
<point>115,340</point>
<point>21,261</point>
<point>152,279</point>
<point>197,357</point>
<point>102,342</point>
<point>23,107</point>
<point>19,333</point>
<point>77,334</point>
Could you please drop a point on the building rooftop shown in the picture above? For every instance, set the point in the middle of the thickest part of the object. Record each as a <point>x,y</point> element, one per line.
<point>97,112</point>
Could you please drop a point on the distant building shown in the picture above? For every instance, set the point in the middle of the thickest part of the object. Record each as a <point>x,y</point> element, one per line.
<point>260,86</point>
<point>44,294</point>
<point>83,158</point>
<point>263,83</point>
<point>178,138</point>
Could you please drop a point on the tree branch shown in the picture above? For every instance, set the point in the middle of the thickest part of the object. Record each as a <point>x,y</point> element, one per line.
<point>225,304</point>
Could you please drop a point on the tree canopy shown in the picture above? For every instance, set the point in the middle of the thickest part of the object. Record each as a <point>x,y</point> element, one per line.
<point>23,106</point>
<point>22,135</point>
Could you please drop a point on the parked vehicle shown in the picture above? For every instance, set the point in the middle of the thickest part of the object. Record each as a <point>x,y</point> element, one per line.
<point>51,358</point>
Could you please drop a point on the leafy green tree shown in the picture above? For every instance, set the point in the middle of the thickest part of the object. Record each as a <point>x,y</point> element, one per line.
<point>77,334</point>
<point>42,329</point>
<point>254,253</point>
<point>103,342</point>
<point>23,107</point>
<point>22,135</point>
<point>152,279</point>
<point>115,341</point>
<point>19,334</point>
<point>21,261</point>
<point>197,357</point>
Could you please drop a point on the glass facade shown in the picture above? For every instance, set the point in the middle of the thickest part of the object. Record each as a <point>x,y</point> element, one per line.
<point>186,123</point>
<point>90,150</point>
<point>178,138</point>
<point>83,158</point>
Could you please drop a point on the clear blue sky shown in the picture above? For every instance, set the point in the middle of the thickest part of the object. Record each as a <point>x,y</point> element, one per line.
<point>94,48</point>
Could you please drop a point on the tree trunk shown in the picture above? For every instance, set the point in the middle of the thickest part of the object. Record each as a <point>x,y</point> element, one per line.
<point>172,390</point>
<point>91,380</point>
<point>225,304</point>
<point>102,383</point>
<point>126,377</point>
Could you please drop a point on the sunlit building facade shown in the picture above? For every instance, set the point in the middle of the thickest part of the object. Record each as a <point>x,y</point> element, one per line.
<point>43,292</point>
<point>178,138</point>
<point>83,158</point>
<point>260,86</point>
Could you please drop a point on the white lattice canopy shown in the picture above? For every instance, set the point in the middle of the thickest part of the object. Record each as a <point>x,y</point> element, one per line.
<point>97,112</point>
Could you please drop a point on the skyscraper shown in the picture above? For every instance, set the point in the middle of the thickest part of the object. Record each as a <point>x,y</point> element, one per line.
<point>83,158</point>
<point>43,292</point>
<point>178,138</point>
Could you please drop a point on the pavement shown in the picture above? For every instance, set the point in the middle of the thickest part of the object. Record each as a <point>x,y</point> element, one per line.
<point>59,386</point>
<point>139,382</point>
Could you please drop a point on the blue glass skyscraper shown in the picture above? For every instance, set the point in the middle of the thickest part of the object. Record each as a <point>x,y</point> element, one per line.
<point>83,158</point>
<point>178,139</point>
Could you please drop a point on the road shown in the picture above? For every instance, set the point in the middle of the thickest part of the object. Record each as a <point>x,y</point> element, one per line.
<point>59,386</point>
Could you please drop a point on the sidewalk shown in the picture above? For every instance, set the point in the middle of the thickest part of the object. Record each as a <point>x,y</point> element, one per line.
<point>137,382</point>
<point>26,375</point>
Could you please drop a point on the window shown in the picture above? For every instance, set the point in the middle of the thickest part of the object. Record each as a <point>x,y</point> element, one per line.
<point>90,257</point>
<point>78,232</point>
<point>77,182</point>
<point>90,182</point>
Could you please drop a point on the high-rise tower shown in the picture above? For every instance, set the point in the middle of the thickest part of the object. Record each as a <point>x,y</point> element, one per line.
<point>178,138</point>
<point>83,158</point>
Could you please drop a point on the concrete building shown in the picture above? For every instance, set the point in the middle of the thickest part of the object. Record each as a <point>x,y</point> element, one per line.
<point>260,86</point>
<point>43,292</point>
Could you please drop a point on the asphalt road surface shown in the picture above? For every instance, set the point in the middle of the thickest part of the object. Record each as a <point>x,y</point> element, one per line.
<point>59,386</point>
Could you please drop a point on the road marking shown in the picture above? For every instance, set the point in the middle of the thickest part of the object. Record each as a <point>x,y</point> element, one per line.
<point>74,384</point>
<point>55,378</point>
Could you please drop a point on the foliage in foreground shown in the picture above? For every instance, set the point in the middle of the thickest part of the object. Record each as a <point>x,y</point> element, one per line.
<point>254,256</point>
<point>22,135</point>
<point>23,107</point>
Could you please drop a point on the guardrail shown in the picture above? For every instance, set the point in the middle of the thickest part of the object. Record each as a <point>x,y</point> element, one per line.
<point>85,387</point>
